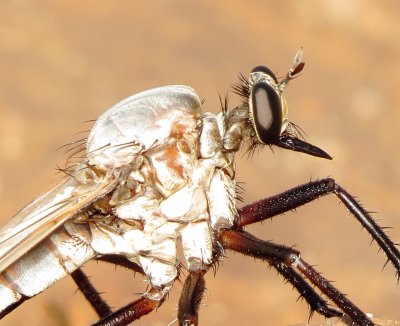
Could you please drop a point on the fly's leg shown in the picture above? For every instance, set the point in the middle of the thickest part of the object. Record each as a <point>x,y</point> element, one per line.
<point>300,195</point>
<point>88,290</point>
<point>306,291</point>
<point>190,299</point>
<point>249,245</point>
<point>136,309</point>
<point>85,286</point>
<point>121,261</point>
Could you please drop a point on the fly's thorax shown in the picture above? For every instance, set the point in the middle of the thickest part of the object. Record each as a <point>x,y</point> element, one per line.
<point>178,189</point>
<point>173,163</point>
<point>205,201</point>
<point>141,121</point>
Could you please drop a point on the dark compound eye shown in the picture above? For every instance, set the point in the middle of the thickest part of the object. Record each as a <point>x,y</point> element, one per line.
<point>266,110</point>
<point>265,70</point>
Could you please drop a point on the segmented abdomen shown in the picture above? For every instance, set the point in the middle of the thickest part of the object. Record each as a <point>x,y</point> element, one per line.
<point>52,259</point>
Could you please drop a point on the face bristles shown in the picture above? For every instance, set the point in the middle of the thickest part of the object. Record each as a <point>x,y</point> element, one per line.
<point>242,88</point>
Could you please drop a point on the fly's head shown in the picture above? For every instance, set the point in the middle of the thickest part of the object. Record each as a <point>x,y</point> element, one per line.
<point>268,111</point>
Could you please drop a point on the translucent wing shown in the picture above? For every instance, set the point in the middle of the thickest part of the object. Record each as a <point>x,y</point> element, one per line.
<point>46,213</point>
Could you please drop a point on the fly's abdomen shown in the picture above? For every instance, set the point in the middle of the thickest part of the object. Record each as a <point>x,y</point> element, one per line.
<point>52,259</point>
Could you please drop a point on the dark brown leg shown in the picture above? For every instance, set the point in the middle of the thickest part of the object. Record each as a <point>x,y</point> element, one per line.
<point>136,309</point>
<point>121,261</point>
<point>306,291</point>
<point>190,299</point>
<point>249,245</point>
<point>298,196</point>
<point>85,286</point>
<point>88,290</point>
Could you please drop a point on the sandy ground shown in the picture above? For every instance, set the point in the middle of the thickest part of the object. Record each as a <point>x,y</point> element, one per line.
<point>62,63</point>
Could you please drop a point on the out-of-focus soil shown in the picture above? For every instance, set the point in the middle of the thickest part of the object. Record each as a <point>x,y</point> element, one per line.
<point>63,63</point>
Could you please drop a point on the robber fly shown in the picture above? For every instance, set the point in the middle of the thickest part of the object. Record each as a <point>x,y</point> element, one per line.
<point>156,170</point>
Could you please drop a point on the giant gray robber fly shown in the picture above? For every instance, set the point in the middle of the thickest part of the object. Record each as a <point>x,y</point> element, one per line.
<point>157,171</point>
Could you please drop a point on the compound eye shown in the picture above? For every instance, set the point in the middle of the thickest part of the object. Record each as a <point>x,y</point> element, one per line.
<point>265,70</point>
<point>266,110</point>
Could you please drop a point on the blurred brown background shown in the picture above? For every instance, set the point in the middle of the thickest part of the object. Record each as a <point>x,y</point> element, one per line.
<point>62,63</point>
